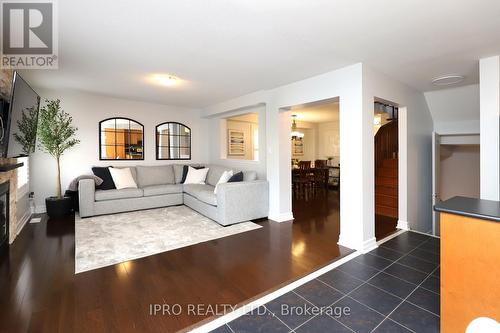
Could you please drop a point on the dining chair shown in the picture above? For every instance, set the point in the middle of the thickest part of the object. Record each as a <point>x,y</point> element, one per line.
<point>320,178</point>
<point>320,164</point>
<point>304,165</point>
<point>304,183</point>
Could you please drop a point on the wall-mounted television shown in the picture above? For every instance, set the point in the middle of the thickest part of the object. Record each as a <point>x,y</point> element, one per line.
<point>23,100</point>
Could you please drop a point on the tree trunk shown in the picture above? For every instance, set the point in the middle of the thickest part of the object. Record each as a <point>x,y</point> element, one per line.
<point>59,194</point>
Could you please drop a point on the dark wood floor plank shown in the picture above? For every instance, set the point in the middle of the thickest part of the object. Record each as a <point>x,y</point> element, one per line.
<point>41,293</point>
<point>384,226</point>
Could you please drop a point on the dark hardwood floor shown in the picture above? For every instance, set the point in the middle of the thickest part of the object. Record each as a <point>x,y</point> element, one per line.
<point>384,226</point>
<point>40,292</point>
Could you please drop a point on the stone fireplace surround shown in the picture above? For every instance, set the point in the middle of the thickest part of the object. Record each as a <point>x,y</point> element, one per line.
<point>11,176</point>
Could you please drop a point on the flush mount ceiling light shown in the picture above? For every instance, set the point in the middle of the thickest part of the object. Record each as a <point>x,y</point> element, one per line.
<point>447,80</point>
<point>164,79</point>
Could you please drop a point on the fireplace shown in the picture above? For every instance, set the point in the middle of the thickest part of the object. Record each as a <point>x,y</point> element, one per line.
<point>4,214</point>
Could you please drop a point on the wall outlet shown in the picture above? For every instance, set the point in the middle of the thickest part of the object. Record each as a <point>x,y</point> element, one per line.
<point>32,195</point>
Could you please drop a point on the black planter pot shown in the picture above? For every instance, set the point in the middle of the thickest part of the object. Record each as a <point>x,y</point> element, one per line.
<point>57,208</point>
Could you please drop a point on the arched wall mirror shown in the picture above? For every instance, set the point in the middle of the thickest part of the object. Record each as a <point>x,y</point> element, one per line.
<point>173,141</point>
<point>121,139</point>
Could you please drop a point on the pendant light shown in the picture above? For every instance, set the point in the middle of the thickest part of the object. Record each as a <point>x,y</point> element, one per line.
<point>295,134</point>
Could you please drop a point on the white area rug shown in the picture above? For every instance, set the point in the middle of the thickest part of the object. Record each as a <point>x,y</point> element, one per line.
<point>110,239</point>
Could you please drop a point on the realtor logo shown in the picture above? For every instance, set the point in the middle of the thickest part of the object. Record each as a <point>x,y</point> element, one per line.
<point>29,35</point>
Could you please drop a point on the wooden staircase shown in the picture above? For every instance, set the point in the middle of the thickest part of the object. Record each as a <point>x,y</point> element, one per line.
<point>386,170</point>
<point>386,188</point>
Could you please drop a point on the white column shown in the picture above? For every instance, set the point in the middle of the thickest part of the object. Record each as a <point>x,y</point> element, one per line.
<point>489,74</point>
<point>403,169</point>
<point>355,204</point>
<point>278,163</point>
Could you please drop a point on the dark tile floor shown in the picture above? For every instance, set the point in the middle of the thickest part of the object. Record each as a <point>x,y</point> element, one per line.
<point>394,288</point>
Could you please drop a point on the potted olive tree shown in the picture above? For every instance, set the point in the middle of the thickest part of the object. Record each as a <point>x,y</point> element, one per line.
<point>26,134</point>
<point>56,135</point>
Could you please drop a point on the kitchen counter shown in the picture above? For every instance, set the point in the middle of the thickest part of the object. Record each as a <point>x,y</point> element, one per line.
<point>470,256</point>
<point>476,208</point>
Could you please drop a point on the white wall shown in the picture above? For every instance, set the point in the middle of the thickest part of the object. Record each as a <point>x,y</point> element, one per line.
<point>356,87</point>
<point>345,84</point>
<point>455,110</point>
<point>218,146</point>
<point>329,141</point>
<point>489,73</point>
<point>309,140</point>
<point>248,129</point>
<point>87,110</point>
<point>459,171</point>
<point>321,140</point>
<point>414,182</point>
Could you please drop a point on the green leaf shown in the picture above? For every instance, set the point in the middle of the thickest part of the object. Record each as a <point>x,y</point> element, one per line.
<point>26,135</point>
<point>56,134</point>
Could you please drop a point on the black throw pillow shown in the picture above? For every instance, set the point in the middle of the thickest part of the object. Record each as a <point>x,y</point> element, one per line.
<point>105,175</point>
<point>185,170</point>
<point>237,177</point>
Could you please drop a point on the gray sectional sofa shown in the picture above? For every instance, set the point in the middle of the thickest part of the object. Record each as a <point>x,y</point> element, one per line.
<point>160,186</point>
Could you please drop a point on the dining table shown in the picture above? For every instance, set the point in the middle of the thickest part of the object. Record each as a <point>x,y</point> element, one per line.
<point>311,171</point>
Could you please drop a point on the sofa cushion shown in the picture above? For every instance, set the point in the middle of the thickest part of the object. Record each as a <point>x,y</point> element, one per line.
<point>105,175</point>
<point>133,171</point>
<point>122,178</point>
<point>178,170</point>
<point>155,175</point>
<point>249,176</point>
<point>153,190</point>
<point>185,170</point>
<point>196,176</point>
<point>101,195</point>
<point>224,178</point>
<point>237,177</point>
<point>202,192</point>
<point>214,174</point>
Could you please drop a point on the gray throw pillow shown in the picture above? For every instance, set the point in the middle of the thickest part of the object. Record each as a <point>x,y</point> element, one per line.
<point>155,175</point>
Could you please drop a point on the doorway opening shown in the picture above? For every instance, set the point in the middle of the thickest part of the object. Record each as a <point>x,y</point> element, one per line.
<point>315,162</point>
<point>240,137</point>
<point>455,169</point>
<point>386,147</point>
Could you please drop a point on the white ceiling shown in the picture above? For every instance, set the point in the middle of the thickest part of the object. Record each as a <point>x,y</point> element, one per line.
<point>322,113</point>
<point>248,117</point>
<point>222,48</point>
<point>455,105</point>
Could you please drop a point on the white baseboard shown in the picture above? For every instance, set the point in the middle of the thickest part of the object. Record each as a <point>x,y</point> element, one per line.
<point>369,245</point>
<point>22,222</point>
<point>391,236</point>
<point>282,217</point>
<point>364,247</point>
<point>345,243</point>
<point>403,225</point>
<point>424,233</point>
<point>269,297</point>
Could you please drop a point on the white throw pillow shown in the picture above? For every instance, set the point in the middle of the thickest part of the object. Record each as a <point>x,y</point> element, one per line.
<point>122,178</point>
<point>196,176</point>
<point>223,179</point>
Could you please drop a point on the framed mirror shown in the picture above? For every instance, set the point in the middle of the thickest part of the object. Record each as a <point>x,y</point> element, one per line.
<point>173,141</point>
<point>121,139</point>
